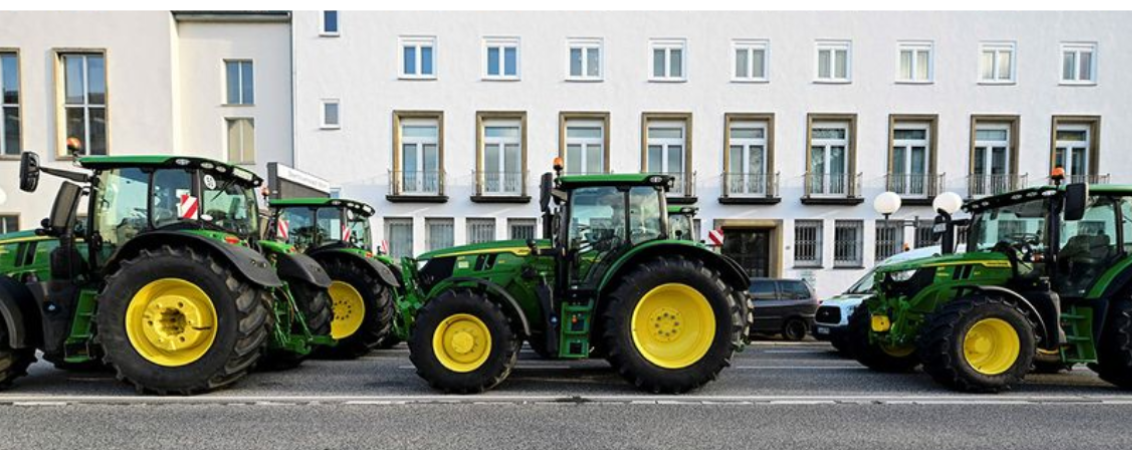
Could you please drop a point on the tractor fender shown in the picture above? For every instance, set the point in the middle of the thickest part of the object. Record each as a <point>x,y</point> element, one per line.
<point>14,300</point>
<point>249,263</point>
<point>1048,335</point>
<point>729,270</point>
<point>297,266</point>
<point>509,301</point>
<point>376,267</point>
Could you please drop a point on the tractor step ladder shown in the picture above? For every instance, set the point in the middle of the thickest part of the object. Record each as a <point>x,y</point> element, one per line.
<point>576,324</point>
<point>1078,324</point>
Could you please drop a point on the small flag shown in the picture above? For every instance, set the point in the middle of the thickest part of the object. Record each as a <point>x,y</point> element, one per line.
<point>283,229</point>
<point>188,207</point>
<point>716,236</point>
<point>384,247</point>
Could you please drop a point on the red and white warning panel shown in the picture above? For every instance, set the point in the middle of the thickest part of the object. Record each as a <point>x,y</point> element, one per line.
<point>188,207</point>
<point>716,237</point>
<point>283,229</point>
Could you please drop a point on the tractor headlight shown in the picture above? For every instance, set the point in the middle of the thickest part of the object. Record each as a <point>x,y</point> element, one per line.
<point>902,275</point>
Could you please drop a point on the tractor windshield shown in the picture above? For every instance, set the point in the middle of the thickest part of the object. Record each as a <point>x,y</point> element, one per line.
<point>358,230</point>
<point>296,226</point>
<point>229,205</point>
<point>1016,224</point>
<point>680,226</point>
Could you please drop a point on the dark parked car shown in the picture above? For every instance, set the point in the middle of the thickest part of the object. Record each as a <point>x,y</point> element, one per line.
<point>783,306</point>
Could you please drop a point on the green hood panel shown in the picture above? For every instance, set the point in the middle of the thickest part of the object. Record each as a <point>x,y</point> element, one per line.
<point>517,246</point>
<point>988,259</point>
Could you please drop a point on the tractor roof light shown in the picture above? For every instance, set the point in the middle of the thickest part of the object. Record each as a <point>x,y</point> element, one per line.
<point>948,202</point>
<point>558,164</point>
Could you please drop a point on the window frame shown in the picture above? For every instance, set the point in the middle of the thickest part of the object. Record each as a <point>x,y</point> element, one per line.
<point>1011,124</point>
<point>388,222</point>
<point>1092,124</point>
<point>483,120</point>
<point>523,221</point>
<point>417,42</point>
<point>668,44</point>
<point>749,46</point>
<point>398,165</point>
<point>998,47</point>
<point>323,124</point>
<point>564,119</point>
<point>470,222</point>
<point>928,122</point>
<point>240,89</point>
<point>16,216</point>
<point>61,103</point>
<point>228,141</point>
<point>833,46</point>
<point>915,47</point>
<point>1077,48</point>
<point>429,221</point>
<point>850,124</point>
<point>819,248</point>
<point>586,45</point>
<point>19,105</point>
<point>322,31</point>
<point>686,118</point>
<point>859,262</point>
<point>764,121</point>
<point>502,43</point>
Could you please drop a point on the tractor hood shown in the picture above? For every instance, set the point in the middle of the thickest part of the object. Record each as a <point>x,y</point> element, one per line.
<point>989,259</point>
<point>517,247</point>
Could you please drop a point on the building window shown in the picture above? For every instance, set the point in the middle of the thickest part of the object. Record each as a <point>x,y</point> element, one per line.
<point>241,82</point>
<point>502,58</point>
<point>481,230</point>
<point>10,140</point>
<point>9,223</point>
<point>585,143</point>
<point>84,100</point>
<point>439,233</point>
<point>418,57</point>
<point>833,61</point>
<point>241,140</point>
<point>330,23</point>
<point>925,233</point>
<point>848,243</point>
<point>996,63</point>
<point>808,243</point>
<point>668,62</point>
<point>330,109</point>
<point>523,229</point>
<point>910,170</point>
<point>1075,148</point>
<point>750,59</point>
<point>502,154</point>
<point>399,235</point>
<point>1078,63</point>
<point>747,158</point>
<point>830,160</point>
<point>666,149</point>
<point>584,59</point>
<point>914,62</point>
<point>994,157</point>
<point>889,239</point>
<point>418,159</point>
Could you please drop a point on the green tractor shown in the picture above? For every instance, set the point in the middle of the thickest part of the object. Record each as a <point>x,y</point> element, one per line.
<point>336,233</point>
<point>682,222</point>
<point>607,279</point>
<point>165,279</point>
<point>1047,274</point>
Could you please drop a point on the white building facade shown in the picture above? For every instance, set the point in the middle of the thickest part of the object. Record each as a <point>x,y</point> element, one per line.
<point>780,126</point>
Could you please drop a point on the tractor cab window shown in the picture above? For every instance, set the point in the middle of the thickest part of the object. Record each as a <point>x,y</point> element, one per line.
<point>597,219</point>
<point>1087,248</point>
<point>1019,225</point>
<point>1126,218</point>
<point>330,224</point>
<point>296,226</point>
<point>680,226</point>
<point>357,226</point>
<point>229,205</point>
<point>644,214</point>
<point>120,205</point>
<point>172,197</point>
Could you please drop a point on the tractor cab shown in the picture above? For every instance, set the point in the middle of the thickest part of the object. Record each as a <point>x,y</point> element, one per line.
<point>682,222</point>
<point>314,223</point>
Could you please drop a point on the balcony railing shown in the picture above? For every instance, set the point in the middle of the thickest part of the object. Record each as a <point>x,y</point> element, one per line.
<point>683,184</point>
<point>994,184</point>
<point>910,185</point>
<point>1090,179</point>
<point>833,185</point>
<point>422,183</point>
<point>495,183</point>
<point>740,184</point>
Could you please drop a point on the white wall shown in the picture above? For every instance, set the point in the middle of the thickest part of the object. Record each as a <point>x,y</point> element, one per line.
<point>360,67</point>
<point>139,86</point>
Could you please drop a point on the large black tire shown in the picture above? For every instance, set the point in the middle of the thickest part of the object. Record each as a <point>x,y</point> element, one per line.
<point>618,335</point>
<point>942,342</point>
<point>243,322</point>
<point>499,361</point>
<point>314,304</point>
<point>377,323</point>
<point>795,329</point>
<point>13,362</point>
<point>871,354</point>
<point>1114,357</point>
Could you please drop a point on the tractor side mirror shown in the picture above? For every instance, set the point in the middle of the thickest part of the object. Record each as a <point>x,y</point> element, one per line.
<point>63,212</point>
<point>546,184</point>
<point>29,172</point>
<point>1076,199</point>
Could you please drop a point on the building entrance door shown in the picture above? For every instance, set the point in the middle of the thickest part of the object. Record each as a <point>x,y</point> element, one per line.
<point>750,247</point>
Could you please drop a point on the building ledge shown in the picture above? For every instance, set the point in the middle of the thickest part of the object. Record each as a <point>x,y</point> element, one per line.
<point>836,201</point>
<point>501,199</point>
<point>417,198</point>
<point>682,200</point>
<point>750,200</point>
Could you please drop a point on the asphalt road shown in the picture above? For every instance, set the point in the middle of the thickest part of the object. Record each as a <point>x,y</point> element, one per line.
<point>774,396</point>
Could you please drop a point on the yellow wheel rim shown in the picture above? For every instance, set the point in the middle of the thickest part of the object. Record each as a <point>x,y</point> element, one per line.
<point>462,343</point>
<point>673,326</point>
<point>171,322</point>
<point>991,346</point>
<point>349,310</point>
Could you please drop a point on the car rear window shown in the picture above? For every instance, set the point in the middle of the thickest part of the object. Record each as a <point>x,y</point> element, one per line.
<point>794,290</point>
<point>762,290</point>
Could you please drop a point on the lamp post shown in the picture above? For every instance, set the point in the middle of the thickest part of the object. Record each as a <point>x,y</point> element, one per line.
<point>945,204</point>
